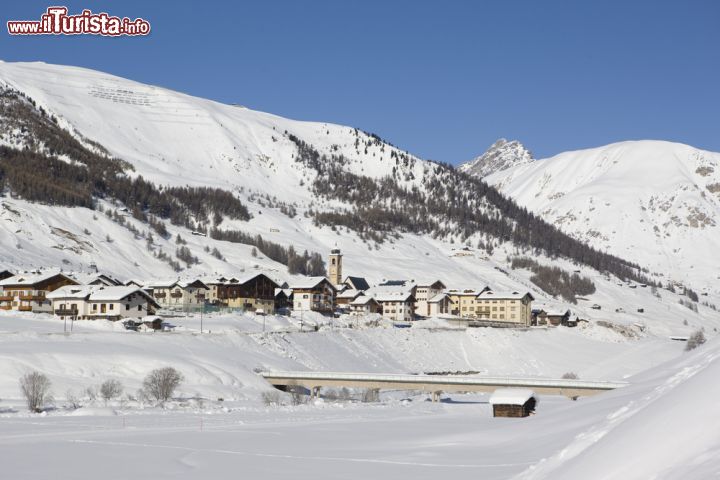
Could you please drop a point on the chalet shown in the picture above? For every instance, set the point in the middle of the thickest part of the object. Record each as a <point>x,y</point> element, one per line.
<point>313,293</point>
<point>175,294</point>
<point>214,285</point>
<point>513,307</point>
<point>93,302</point>
<point>346,296</point>
<point>28,292</point>
<point>253,292</point>
<point>513,402</point>
<point>424,291</point>
<point>554,317</point>
<point>357,283</point>
<point>439,304</point>
<point>364,305</point>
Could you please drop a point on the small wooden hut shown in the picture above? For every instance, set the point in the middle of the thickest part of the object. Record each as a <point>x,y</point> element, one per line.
<point>513,402</point>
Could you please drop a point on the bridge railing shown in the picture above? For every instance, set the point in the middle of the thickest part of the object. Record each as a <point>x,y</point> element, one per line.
<point>447,379</point>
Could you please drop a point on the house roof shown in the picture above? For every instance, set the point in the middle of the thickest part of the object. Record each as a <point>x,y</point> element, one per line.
<point>437,284</point>
<point>438,298</point>
<point>363,300</point>
<point>71,291</point>
<point>511,396</point>
<point>349,293</point>
<point>111,294</point>
<point>358,283</point>
<point>98,293</point>
<point>304,283</point>
<point>490,294</point>
<point>394,297</point>
<point>32,279</point>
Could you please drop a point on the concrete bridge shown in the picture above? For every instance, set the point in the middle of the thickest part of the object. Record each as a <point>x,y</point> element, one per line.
<point>437,384</point>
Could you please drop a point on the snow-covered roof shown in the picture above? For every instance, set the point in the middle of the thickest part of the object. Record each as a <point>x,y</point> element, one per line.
<point>511,396</point>
<point>31,278</point>
<point>492,294</point>
<point>393,296</point>
<point>97,293</point>
<point>362,300</point>
<point>349,293</point>
<point>161,283</point>
<point>308,282</point>
<point>438,298</point>
<point>71,291</point>
<point>110,294</point>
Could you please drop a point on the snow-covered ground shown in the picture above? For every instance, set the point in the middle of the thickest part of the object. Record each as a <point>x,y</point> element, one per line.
<point>657,427</point>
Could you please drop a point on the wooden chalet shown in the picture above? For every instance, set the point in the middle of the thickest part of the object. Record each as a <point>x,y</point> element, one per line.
<point>28,292</point>
<point>513,402</point>
<point>252,293</point>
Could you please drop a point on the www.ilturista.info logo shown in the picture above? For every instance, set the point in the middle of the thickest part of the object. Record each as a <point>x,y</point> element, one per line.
<point>56,21</point>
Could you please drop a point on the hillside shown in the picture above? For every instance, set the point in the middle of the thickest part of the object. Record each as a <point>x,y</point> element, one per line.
<point>211,167</point>
<point>657,203</point>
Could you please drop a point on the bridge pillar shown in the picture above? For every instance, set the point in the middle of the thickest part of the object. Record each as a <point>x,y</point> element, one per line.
<point>436,396</point>
<point>315,392</point>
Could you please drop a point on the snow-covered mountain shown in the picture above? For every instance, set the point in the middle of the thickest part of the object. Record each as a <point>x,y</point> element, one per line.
<point>501,155</point>
<point>654,202</point>
<point>312,186</point>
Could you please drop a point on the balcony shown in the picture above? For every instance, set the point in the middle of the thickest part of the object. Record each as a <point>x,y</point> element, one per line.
<point>66,312</point>
<point>33,296</point>
<point>25,308</point>
<point>6,298</point>
<point>160,295</point>
<point>5,307</point>
<point>176,294</point>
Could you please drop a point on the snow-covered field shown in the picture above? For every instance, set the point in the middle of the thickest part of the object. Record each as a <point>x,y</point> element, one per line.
<point>403,436</point>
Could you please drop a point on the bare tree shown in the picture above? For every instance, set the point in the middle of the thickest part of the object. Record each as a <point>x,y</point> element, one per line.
<point>695,340</point>
<point>271,398</point>
<point>36,389</point>
<point>110,389</point>
<point>371,395</point>
<point>160,384</point>
<point>570,376</point>
<point>297,393</point>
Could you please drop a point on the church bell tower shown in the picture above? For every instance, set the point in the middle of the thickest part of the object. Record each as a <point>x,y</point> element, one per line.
<point>335,264</point>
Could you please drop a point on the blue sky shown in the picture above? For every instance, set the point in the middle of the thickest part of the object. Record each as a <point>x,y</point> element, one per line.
<point>442,79</point>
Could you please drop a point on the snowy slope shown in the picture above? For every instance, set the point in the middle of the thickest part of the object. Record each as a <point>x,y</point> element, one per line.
<point>655,203</point>
<point>176,139</point>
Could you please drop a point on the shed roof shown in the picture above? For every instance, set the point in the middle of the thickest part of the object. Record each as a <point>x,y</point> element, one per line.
<point>512,396</point>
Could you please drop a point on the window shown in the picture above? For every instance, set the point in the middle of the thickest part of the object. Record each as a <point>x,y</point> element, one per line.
<point>139,308</point>
<point>112,306</point>
<point>94,306</point>
<point>127,306</point>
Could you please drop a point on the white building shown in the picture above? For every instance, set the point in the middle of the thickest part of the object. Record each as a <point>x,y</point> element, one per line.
<point>313,293</point>
<point>89,302</point>
<point>424,291</point>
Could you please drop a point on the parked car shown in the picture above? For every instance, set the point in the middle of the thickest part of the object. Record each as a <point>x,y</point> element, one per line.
<point>595,307</point>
